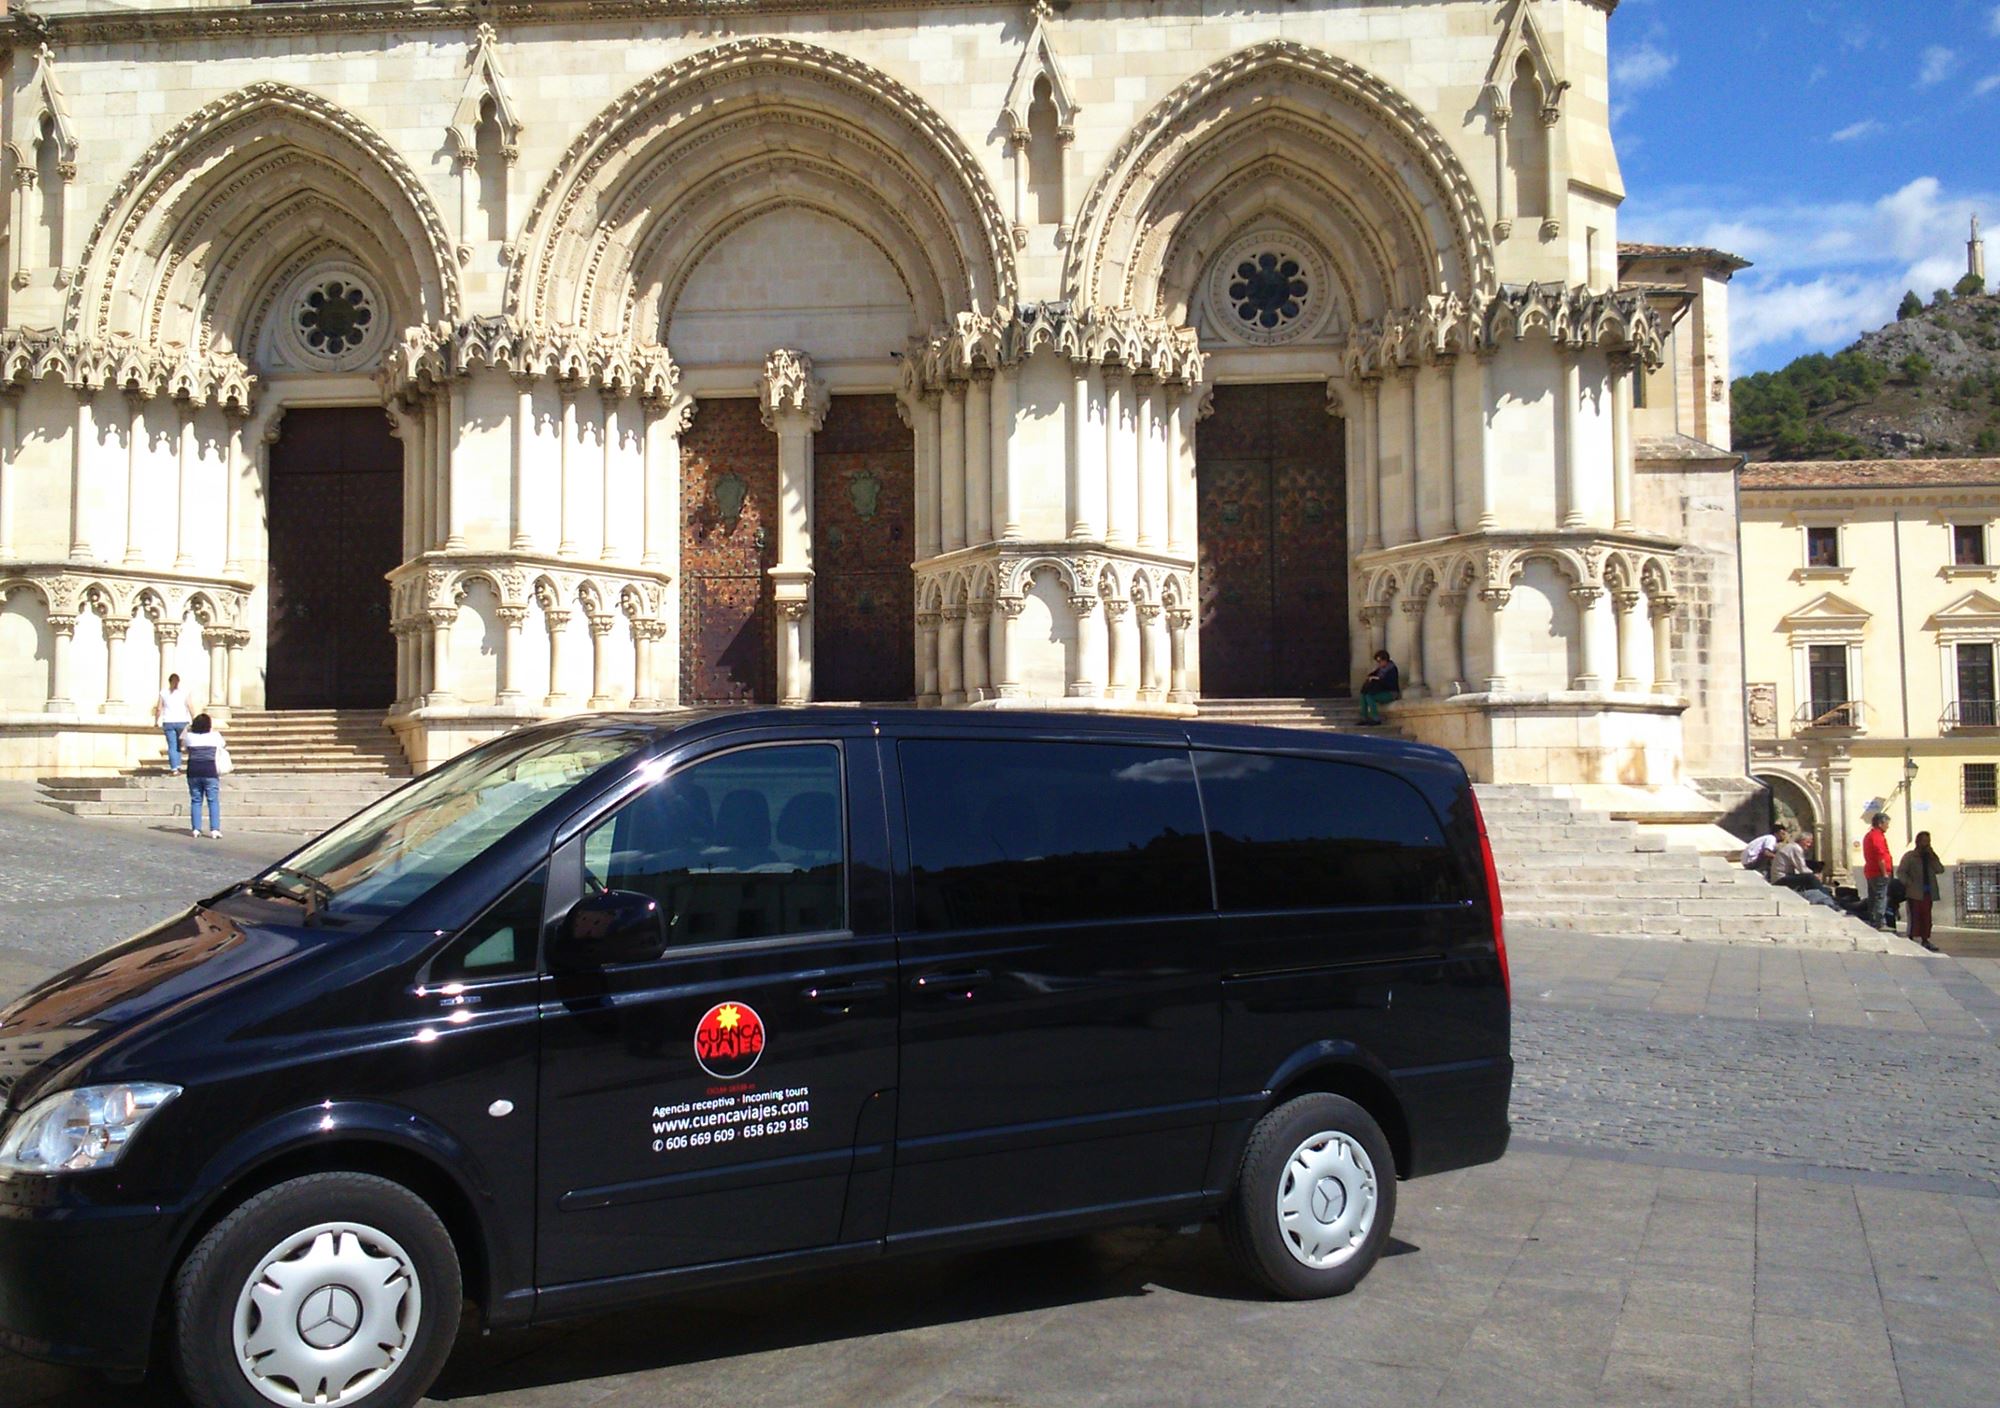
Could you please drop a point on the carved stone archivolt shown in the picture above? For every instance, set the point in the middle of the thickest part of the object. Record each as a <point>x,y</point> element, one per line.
<point>424,359</point>
<point>1090,336</point>
<point>1619,321</point>
<point>126,364</point>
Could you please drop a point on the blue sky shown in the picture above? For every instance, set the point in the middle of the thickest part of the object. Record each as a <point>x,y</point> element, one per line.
<point>1840,144</point>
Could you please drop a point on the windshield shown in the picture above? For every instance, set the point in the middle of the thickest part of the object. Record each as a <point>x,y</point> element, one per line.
<point>381,859</point>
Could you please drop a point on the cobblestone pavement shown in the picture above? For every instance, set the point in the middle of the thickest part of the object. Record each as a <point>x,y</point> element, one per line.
<point>1741,1177</point>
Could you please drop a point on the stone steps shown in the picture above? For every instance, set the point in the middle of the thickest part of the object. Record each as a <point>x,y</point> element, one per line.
<point>316,741</point>
<point>1563,866</point>
<point>250,802</point>
<point>1330,715</point>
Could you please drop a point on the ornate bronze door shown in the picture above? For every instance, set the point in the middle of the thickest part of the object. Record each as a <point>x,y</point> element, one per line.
<point>336,515</point>
<point>729,541</point>
<point>1271,486</point>
<point>864,529</point>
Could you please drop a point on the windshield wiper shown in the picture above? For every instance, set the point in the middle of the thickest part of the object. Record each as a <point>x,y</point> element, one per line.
<point>311,891</point>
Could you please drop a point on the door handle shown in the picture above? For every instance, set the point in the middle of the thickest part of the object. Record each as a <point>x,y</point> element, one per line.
<point>953,987</point>
<point>843,998</point>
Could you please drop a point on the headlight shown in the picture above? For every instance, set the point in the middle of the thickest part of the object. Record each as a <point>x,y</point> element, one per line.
<point>80,1130</point>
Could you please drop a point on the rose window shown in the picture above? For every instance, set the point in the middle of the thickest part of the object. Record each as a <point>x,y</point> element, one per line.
<point>1268,290</point>
<point>335,316</point>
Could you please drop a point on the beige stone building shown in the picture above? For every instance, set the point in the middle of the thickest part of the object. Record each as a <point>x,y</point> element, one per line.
<point>1873,624</point>
<point>475,362</point>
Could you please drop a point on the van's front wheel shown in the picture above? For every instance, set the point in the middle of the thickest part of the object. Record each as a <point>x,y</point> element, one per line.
<point>337,1287</point>
<point>1314,1199</point>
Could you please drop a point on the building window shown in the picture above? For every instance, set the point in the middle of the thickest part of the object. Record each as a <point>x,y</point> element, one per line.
<point>1822,547</point>
<point>1975,686</point>
<point>1968,545</point>
<point>1826,671</point>
<point>1978,885</point>
<point>1982,787</point>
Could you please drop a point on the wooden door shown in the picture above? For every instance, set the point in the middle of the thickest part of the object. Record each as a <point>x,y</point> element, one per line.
<point>729,542</point>
<point>864,530</point>
<point>1271,490</point>
<point>336,512</point>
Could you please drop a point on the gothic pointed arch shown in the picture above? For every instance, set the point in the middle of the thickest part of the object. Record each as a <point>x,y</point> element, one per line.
<point>485,83</point>
<point>1039,60</point>
<point>725,135</point>
<point>1302,138</point>
<point>1521,39</point>
<point>243,195</point>
<point>41,108</point>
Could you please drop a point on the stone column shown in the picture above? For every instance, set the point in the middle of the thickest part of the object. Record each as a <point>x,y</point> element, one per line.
<point>520,532</point>
<point>216,640</point>
<point>1495,601</point>
<point>1573,471</point>
<point>930,510</point>
<point>1451,621</point>
<point>565,471</point>
<point>82,472</point>
<point>451,408</point>
<point>407,430</point>
<point>1503,177</point>
<point>1006,484</point>
<point>951,656</point>
<point>186,511</point>
<point>1413,642</point>
<point>512,619</point>
<point>1489,479</point>
<point>1413,480</point>
<point>951,468</point>
<point>666,422</point>
<point>928,689</point>
<point>1453,516</point>
<point>1622,368</point>
<point>234,421</point>
<point>978,456</point>
<point>1001,683</point>
<point>135,426</point>
<point>557,623</point>
<point>62,635</point>
<point>10,411</point>
<point>794,403</point>
<point>441,619</point>
<point>1662,613</point>
<point>115,628</point>
<point>232,656</point>
<point>1178,621</point>
<point>1120,660</point>
<point>1590,667</point>
<point>978,630</point>
<point>645,687</point>
<point>420,647</point>
<point>1085,679</point>
<point>166,635</point>
<point>1625,603</point>
<point>24,184</point>
<point>610,436</point>
<point>1121,458</point>
<point>1148,476</point>
<point>1150,623</point>
<point>1180,438</point>
<point>1370,468</point>
<point>1083,437</point>
<point>600,624</point>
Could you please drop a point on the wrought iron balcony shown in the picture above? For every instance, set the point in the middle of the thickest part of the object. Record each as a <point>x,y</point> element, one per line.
<point>1829,714</point>
<point>1970,713</point>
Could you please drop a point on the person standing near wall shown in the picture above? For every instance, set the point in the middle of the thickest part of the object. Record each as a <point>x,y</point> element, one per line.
<point>1877,866</point>
<point>1920,873</point>
<point>170,712</point>
<point>205,765</point>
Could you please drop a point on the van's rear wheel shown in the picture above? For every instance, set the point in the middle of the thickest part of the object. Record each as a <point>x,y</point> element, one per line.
<point>1314,1199</point>
<point>337,1287</point>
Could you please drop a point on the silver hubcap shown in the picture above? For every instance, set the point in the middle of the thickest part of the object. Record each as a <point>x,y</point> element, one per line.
<point>1326,1200</point>
<point>328,1315</point>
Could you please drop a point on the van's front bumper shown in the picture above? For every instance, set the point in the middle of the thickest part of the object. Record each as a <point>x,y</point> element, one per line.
<point>79,1283</point>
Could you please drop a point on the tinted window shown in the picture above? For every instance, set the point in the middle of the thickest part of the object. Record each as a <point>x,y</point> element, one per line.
<point>743,846</point>
<point>1005,833</point>
<point>502,941</point>
<point>1304,833</point>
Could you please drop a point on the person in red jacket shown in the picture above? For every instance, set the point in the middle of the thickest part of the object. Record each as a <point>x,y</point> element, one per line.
<point>1878,865</point>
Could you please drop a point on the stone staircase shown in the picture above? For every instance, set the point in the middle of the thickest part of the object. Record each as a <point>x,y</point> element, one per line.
<point>1563,866</point>
<point>297,772</point>
<point>1336,715</point>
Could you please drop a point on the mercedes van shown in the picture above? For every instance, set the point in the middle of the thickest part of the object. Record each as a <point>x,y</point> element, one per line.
<point>619,1006</point>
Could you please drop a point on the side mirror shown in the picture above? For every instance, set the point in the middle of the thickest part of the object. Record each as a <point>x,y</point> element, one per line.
<point>614,926</point>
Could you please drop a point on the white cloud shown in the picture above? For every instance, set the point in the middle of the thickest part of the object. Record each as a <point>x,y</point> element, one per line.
<point>1855,131</point>
<point>1937,66</point>
<point>1986,85</point>
<point>1825,273</point>
<point>1643,66</point>
<point>1993,22</point>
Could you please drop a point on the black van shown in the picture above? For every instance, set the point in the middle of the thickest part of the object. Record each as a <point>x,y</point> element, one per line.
<point>617,1006</point>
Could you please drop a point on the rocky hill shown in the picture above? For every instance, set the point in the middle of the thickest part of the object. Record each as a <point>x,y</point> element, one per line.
<point>1925,386</point>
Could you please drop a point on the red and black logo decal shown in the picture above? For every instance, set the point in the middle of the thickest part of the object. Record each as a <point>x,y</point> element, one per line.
<point>729,1040</point>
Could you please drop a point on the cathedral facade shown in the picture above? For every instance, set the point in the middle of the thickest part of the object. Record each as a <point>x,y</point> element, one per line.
<point>474,363</point>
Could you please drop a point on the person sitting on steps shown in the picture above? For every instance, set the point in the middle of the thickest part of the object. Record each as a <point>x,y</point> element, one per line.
<point>1384,683</point>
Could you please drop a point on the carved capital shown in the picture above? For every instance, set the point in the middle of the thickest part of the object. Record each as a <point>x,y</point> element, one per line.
<point>1149,611</point>
<point>601,623</point>
<point>1082,604</point>
<point>1115,608</point>
<point>953,613</point>
<point>978,610</point>
<point>1496,597</point>
<point>798,608</point>
<point>1586,597</point>
<point>1625,602</point>
<point>789,388</point>
<point>556,621</point>
<point>1662,606</point>
<point>927,620</point>
<point>512,617</point>
<point>1009,607</point>
<point>115,627</point>
<point>441,618</point>
<point>167,632</point>
<point>1179,619</point>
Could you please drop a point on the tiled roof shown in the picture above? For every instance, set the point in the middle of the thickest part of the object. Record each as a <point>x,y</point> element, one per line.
<point>1871,474</point>
<point>1693,253</point>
